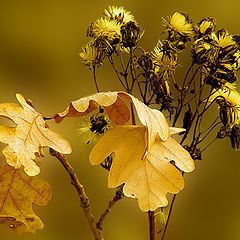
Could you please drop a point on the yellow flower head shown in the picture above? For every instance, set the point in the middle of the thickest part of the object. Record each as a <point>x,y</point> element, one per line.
<point>164,61</point>
<point>104,27</point>
<point>223,39</point>
<point>206,26</point>
<point>91,128</point>
<point>229,101</point>
<point>236,64</point>
<point>119,14</point>
<point>180,23</point>
<point>218,48</point>
<point>91,56</point>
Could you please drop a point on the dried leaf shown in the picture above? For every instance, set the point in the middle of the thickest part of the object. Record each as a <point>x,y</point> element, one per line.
<point>118,112</point>
<point>26,139</point>
<point>148,175</point>
<point>153,119</point>
<point>115,107</point>
<point>171,150</point>
<point>17,193</point>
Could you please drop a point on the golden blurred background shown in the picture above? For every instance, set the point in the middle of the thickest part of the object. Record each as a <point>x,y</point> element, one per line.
<point>40,43</point>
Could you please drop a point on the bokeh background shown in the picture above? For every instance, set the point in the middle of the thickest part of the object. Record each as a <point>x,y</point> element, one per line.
<point>40,43</point>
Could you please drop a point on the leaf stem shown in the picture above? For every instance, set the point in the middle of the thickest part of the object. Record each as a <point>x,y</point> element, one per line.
<point>152,228</point>
<point>81,192</point>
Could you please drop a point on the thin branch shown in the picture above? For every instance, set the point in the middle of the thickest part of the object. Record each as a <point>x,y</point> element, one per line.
<point>122,62</point>
<point>119,195</point>
<point>117,73</point>
<point>208,145</point>
<point>184,94</point>
<point>185,78</point>
<point>211,125</point>
<point>95,79</point>
<point>81,192</point>
<point>152,228</point>
<point>134,78</point>
<point>169,215</point>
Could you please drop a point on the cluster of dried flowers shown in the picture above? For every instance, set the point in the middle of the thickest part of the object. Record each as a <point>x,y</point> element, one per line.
<point>215,53</point>
<point>113,33</point>
<point>143,160</point>
<point>209,81</point>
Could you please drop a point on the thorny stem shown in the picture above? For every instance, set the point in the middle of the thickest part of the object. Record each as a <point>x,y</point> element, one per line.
<point>152,228</point>
<point>81,192</point>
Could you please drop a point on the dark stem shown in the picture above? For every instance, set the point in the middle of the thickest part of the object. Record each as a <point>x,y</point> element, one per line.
<point>152,228</point>
<point>132,114</point>
<point>95,79</point>
<point>81,192</point>
<point>169,215</point>
<point>183,95</point>
<point>119,195</point>
<point>118,73</point>
<point>210,143</point>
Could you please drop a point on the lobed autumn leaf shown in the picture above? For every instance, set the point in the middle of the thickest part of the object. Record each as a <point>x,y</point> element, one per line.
<point>118,112</point>
<point>27,137</point>
<point>147,174</point>
<point>142,153</point>
<point>18,192</point>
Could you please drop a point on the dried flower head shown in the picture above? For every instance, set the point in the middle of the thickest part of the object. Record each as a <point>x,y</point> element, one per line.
<point>180,23</point>
<point>91,56</point>
<point>119,14</point>
<point>202,51</point>
<point>235,137</point>
<point>131,34</point>
<point>146,62</point>
<point>104,27</point>
<point>91,128</point>
<point>165,62</point>
<point>163,94</point>
<point>222,39</point>
<point>205,26</point>
<point>229,105</point>
<point>218,46</point>
<point>218,54</point>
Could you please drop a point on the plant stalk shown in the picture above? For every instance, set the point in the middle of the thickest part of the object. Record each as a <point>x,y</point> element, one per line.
<point>152,228</point>
<point>81,192</point>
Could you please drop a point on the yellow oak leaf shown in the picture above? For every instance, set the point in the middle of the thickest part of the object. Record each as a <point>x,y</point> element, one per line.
<point>153,119</point>
<point>26,139</point>
<point>115,107</point>
<point>18,192</point>
<point>118,112</point>
<point>147,173</point>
